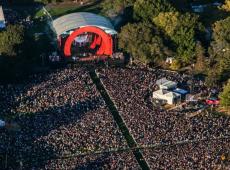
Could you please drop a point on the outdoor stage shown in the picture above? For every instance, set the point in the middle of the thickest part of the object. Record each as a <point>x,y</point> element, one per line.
<point>85,36</point>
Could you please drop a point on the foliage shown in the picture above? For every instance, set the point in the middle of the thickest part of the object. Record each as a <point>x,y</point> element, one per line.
<point>212,78</point>
<point>220,48</point>
<point>225,96</point>
<point>200,65</point>
<point>181,33</point>
<point>22,1</point>
<point>221,31</point>
<point>54,1</point>
<point>147,9</point>
<point>176,65</point>
<point>224,66</point>
<point>116,7</point>
<point>11,39</point>
<point>226,6</point>
<point>142,43</point>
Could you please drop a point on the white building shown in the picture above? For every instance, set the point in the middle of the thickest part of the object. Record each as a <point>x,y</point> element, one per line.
<point>166,84</point>
<point>2,19</point>
<point>167,96</point>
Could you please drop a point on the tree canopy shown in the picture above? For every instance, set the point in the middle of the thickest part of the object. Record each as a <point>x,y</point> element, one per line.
<point>221,33</point>
<point>116,6</point>
<point>226,6</point>
<point>147,9</point>
<point>142,42</point>
<point>220,48</point>
<point>11,39</point>
<point>161,15</point>
<point>181,33</point>
<point>200,65</point>
<point>225,96</point>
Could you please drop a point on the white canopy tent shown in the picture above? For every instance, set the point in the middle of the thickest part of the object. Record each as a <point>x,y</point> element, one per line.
<point>170,97</point>
<point>81,19</point>
<point>166,84</point>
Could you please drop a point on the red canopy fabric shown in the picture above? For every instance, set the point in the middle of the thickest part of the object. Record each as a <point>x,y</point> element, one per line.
<point>106,46</point>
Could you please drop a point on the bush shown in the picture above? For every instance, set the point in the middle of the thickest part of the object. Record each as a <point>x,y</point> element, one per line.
<point>176,65</point>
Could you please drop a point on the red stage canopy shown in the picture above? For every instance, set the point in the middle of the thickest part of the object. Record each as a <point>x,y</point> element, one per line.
<point>106,46</point>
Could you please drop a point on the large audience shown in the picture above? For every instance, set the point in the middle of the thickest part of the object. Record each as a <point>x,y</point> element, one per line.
<point>113,161</point>
<point>59,115</point>
<point>131,91</point>
<point>64,123</point>
<point>196,155</point>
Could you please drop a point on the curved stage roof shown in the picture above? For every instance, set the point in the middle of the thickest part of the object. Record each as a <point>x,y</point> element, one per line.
<point>82,19</point>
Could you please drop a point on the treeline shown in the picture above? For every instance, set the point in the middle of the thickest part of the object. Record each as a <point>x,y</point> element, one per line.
<point>20,52</point>
<point>158,31</point>
<point>58,1</point>
<point>26,2</point>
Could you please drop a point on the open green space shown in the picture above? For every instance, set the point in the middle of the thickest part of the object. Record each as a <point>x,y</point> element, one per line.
<point>57,10</point>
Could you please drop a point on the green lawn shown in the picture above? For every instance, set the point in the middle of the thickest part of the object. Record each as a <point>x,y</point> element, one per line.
<point>39,14</point>
<point>57,11</point>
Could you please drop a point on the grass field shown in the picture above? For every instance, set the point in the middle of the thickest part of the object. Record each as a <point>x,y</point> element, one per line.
<point>59,10</point>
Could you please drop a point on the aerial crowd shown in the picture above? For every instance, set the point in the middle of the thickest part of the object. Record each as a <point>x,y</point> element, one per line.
<point>67,116</point>
<point>62,122</point>
<point>151,126</point>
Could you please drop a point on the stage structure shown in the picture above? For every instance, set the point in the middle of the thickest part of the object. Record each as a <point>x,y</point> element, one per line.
<point>85,36</point>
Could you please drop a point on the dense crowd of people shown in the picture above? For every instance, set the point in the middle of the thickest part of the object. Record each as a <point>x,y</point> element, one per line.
<point>59,115</point>
<point>63,123</point>
<point>196,155</point>
<point>113,160</point>
<point>131,91</point>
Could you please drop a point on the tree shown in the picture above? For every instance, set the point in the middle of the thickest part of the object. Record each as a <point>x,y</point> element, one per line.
<point>141,42</point>
<point>220,48</point>
<point>212,78</point>
<point>176,65</point>
<point>11,39</point>
<point>19,2</point>
<point>224,66</point>
<point>181,33</point>
<point>225,96</point>
<point>200,65</point>
<point>147,9</point>
<point>116,7</point>
<point>226,6</point>
<point>221,33</point>
<point>168,21</point>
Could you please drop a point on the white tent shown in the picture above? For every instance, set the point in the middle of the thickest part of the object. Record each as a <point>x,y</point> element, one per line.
<point>170,97</point>
<point>166,84</point>
<point>75,20</point>
<point>2,123</point>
